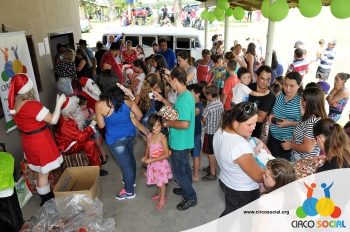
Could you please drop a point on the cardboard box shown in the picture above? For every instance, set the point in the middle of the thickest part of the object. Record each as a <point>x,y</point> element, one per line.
<point>79,180</point>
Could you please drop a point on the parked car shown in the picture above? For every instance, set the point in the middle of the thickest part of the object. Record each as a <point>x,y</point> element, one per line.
<point>139,12</point>
<point>85,25</point>
<point>192,6</point>
<point>170,14</point>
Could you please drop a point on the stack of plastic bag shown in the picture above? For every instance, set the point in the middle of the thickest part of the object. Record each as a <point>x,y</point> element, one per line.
<point>6,174</point>
<point>75,212</point>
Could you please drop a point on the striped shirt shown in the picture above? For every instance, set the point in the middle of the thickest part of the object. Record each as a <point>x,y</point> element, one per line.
<point>213,116</point>
<point>291,111</point>
<point>301,66</point>
<point>327,58</point>
<point>303,130</point>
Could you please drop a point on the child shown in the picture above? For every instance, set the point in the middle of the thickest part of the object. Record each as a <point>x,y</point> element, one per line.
<point>276,88</point>
<point>89,116</point>
<point>156,154</point>
<point>230,82</point>
<point>140,72</point>
<point>211,119</point>
<point>241,91</point>
<point>278,173</point>
<point>196,90</point>
<point>218,72</point>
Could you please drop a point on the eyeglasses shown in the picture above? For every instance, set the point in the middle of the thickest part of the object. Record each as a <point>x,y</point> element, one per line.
<point>249,108</point>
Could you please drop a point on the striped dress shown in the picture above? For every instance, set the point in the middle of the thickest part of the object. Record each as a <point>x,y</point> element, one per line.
<point>290,110</point>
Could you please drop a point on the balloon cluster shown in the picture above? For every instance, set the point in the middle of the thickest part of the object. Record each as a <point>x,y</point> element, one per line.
<point>12,67</point>
<point>275,12</point>
<point>223,8</point>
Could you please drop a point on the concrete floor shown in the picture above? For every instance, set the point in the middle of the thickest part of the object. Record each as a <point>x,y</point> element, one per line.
<point>140,214</point>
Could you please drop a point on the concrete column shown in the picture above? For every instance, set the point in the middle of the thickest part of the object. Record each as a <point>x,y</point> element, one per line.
<point>226,33</point>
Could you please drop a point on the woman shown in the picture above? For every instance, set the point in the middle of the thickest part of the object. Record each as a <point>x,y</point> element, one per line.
<point>250,59</point>
<point>140,53</point>
<point>129,55</point>
<point>338,97</point>
<point>237,50</point>
<point>303,143</point>
<point>204,66</point>
<point>240,173</point>
<point>82,64</point>
<point>114,112</point>
<point>147,104</point>
<point>277,69</point>
<point>185,62</point>
<point>332,139</point>
<point>31,118</point>
<point>65,72</point>
<point>164,74</point>
<point>286,113</point>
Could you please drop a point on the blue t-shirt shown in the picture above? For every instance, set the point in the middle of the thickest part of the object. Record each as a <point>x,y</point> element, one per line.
<point>170,57</point>
<point>198,123</point>
<point>119,125</point>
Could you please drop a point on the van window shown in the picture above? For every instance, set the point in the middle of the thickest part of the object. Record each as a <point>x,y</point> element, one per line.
<point>182,42</point>
<point>147,41</point>
<point>133,39</point>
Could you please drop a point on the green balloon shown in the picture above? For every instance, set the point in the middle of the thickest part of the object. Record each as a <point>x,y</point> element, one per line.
<point>340,8</point>
<point>265,8</point>
<point>218,12</point>
<point>229,12</point>
<point>238,13</point>
<point>211,16</point>
<point>279,10</point>
<point>223,4</point>
<point>220,17</point>
<point>310,8</point>
<point>204,14</point>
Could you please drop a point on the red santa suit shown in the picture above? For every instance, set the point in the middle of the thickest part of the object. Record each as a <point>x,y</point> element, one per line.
<point>70,139</point>
<point>39,148</point>
<point>90,91</point>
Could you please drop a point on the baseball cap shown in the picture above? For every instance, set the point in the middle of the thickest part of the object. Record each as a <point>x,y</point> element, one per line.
<point>298,44</point>
<point>324,86</point>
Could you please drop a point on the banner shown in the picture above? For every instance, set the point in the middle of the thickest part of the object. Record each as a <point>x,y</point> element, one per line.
<point>14,58</point>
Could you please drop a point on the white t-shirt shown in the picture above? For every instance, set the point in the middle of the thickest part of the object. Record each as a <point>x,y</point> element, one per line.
<point>240,93</point>
<point>141,78</point>
<point>227,148</point>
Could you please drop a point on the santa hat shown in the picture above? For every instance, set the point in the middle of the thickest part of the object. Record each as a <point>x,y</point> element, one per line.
<point>70,105</point>
<point>20,84</point>
<point>84,81</point>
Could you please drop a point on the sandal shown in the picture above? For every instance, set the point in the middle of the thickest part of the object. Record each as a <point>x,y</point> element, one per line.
<point>161,203</point>
<point>103,162</point>
<point>155,197</point>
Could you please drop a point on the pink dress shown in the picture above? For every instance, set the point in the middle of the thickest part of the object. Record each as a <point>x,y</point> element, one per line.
<point>158,173</point>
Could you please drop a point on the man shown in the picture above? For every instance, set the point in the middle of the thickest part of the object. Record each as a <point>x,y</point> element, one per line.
<point>300,63</point>
<point>181,138</point>
<point>98,55</point>
<point>90,91</point>
<point>71,137</point>
<point>90,54</point>
<point>61,48</point>
<point>168,53</point>
<point>108,61</point>
<point>265,103</point>
<point>326,61</point>
<point>110,41</point>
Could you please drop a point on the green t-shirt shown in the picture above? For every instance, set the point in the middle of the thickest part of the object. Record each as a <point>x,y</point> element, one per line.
<point>181,139</point>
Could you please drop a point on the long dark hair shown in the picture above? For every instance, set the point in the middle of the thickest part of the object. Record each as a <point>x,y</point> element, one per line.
<point>139,63</point>
<point>297,77</point>
<point>315,105</point>
<point>240,113</point>
<point>337,142</point>
<point>251,49</point>
<point>110,92</point>
<point>160,60</point>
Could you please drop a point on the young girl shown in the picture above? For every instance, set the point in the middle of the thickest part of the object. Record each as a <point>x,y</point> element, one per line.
<point>218,72</point>
<point>278,173</point>
<point>156,154</point>
<point>140,72</point>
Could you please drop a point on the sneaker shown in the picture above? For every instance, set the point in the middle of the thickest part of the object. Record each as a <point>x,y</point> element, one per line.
<point>124,195</point>
<point>177,191</point>
<point>186,204</point>
<point>103,172</point>
<point>209,177</point>
<point>206,169</point>
<point>124,184</point>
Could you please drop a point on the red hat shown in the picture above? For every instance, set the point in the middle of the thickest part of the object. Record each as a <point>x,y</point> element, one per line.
<point>83,81</point>
<point>69,105</point>
<point>20,84</point>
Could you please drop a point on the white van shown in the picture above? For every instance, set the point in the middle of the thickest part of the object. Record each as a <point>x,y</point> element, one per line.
<point>179,39</point>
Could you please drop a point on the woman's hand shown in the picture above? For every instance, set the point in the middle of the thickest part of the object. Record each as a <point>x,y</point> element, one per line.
<point>283,123</point>
<point>286,145</point>
<point>158,96</point>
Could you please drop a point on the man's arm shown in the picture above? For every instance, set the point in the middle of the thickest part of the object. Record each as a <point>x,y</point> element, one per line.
<point>177,124</point>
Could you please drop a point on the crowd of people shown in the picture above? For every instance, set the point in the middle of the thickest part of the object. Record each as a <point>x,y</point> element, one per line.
<point>230,107</point>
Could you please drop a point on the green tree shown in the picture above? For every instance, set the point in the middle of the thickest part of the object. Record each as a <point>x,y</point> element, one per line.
<point>120,6</point>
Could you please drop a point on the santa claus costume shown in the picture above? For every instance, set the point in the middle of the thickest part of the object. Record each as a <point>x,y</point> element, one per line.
<point>90,91</point>
<point>71,137</point>
<point>39,148</point>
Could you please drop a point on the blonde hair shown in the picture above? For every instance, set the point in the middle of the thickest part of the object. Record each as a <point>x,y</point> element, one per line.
<point>151,80</point>
<point>69,54</point>
<point>31,95</point>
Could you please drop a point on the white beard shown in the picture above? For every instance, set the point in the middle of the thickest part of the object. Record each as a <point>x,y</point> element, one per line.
<point>93,91</point>
<point>78,117</point>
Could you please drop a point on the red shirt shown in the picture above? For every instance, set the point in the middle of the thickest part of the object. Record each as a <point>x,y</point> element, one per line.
<point>108,58</point>
<point>230,82</point>
<point>129,58</point>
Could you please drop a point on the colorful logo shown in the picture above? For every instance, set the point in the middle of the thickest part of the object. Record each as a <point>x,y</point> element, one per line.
<point>11,67</point>
<point>323,206</point>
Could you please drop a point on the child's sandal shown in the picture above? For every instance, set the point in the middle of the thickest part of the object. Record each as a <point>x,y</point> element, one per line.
<point>161,203</point>
<point>155,197</point>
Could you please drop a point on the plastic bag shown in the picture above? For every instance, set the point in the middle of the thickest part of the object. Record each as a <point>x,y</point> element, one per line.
<point>6,171</point>
<point>75,212</point>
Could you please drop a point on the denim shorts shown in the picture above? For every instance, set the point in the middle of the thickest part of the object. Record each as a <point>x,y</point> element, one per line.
<point>196,151</point>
